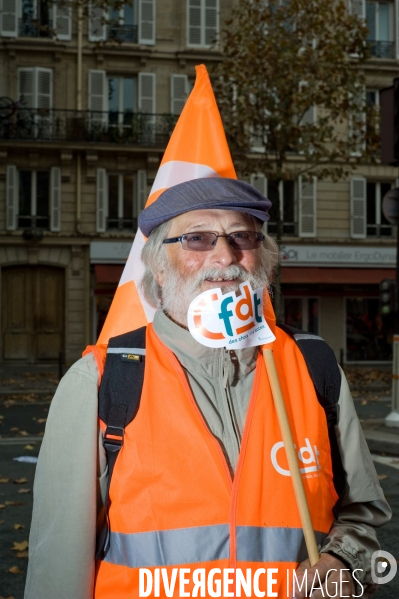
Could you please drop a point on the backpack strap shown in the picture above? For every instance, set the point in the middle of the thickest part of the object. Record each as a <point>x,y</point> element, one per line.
<point>119,400</point>
<point>326,376</point>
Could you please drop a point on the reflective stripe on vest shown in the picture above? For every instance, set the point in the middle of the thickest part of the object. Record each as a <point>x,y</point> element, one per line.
<point>207,543</point>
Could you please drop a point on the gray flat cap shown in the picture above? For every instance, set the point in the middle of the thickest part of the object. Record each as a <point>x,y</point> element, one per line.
<point>202,194</point>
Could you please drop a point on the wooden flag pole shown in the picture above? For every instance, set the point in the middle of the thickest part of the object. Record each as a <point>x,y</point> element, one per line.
<point>299,491</point>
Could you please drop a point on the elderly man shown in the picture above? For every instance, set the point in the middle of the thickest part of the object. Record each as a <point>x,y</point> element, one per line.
<point>194,490</point>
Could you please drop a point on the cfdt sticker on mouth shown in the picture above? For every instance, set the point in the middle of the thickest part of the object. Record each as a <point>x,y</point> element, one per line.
<point>217,320</point>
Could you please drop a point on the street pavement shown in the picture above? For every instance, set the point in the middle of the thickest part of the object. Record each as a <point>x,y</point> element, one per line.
<point>25,394</point>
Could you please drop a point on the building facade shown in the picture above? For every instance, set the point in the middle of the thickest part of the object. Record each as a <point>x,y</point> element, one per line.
<point>88,101</point>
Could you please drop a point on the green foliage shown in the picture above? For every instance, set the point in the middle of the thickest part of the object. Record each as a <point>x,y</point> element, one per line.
<point>280,60</point>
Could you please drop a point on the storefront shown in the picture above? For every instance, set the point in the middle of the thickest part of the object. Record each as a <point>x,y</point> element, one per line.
<point>107,261</point>
<point>333,291</point>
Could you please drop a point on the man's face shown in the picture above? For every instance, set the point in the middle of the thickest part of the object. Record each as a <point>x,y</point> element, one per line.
<point>189,273</point>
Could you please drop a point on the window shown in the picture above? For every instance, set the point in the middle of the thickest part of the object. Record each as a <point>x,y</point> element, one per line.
<point>379,18</point>
<point>377,224</point>
<point>116,98</point>
<point>134,22</point>
<point>302,313</point>
<point>120,199</point>
<point>36,18</point>
<point>122,96</point>
<point>368,334</point>
<point>202,22</point>
<point>33,199</point>
<point>123,23</point>
<point>282,195</point>
<point>296,201</point>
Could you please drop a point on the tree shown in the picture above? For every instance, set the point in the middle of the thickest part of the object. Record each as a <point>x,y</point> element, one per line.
<point>292,93</point>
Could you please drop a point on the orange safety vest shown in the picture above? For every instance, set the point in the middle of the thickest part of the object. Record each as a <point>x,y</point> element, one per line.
<point>173,503</point>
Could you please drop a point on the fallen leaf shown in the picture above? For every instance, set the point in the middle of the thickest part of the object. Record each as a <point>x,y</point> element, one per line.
<point>14,428</point>
<point>4,480</point>
<point>23,554</point>
<point>24,433</point>
<point>23,491</point>
<point>2,521</point>
<point>18,526</point>
<point>364,402</point>
<point>2,506</point>
<point>382,476</point>
<point>1,416</point>
<point>29,447</point>
<point>9,597</point>
<point>15,570</point>
<point>41,420</point>
<point>20,546</point>
<point>19,481</point>
<point>14,503</point>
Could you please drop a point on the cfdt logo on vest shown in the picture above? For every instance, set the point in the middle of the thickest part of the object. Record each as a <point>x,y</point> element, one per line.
<point>231,321</point>
<point>308,458</point>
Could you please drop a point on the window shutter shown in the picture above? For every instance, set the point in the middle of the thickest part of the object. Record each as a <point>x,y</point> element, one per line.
<point>147,93</point>
<point>55,199</point>
<point>259,181</point>
<point>358,8</point>
<point>194,22</point>
<point>307,207</point>
<point>97,100</point>
<point>358,207</point>
<point>9,18</point>
<point>11,198</point>
<point>146,21</point>
<point>97,23</point>
<point>357,121</point>
<point>44,89</point>
<point>63,21</point>
<point>211,21</point>
<point>102,200</point>
<point>26,84</point>
<point>141,190</point>
<point>178,89</point>
<point>309,117</point>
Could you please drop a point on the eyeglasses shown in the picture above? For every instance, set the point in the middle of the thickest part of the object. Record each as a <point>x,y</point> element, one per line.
<point>204,241</point>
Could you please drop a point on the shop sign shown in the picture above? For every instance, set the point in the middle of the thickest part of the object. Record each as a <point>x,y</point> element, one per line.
<point>338,255</point>
<point>109,252</point>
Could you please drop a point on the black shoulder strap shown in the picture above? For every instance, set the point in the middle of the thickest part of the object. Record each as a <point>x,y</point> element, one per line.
<point>326,376</point>
<point>119,400</point>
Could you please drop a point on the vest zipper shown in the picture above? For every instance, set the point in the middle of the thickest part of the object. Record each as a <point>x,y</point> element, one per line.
<point>226,385</point>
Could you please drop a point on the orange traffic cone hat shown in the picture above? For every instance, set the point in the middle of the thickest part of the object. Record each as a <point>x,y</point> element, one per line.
<point>197,149</point>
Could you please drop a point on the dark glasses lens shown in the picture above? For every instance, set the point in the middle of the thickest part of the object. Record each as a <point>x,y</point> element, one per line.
<point>205,241</point>
<point>199,242</point>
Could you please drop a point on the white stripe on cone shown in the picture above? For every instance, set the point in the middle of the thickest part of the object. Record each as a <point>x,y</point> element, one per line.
<point>176,171</point>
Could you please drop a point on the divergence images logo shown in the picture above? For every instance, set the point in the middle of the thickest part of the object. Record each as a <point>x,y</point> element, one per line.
<point>306,455</point>
<point>217,320</point>
<point>380,573</point>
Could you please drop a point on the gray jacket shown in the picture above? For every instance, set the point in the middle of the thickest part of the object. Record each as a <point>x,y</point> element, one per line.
<point>71,473</point>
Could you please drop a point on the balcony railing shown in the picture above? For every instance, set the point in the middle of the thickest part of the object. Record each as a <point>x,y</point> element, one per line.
<point>382,49</point>
<point>88,126</point>
<point>33,28</point>
<point>27,221</point>
<point>123,33</point>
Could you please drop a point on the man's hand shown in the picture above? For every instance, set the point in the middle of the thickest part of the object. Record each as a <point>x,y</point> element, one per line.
<point>335,588</point>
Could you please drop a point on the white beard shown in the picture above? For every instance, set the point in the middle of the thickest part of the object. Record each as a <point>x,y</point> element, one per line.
<point>178,292</point>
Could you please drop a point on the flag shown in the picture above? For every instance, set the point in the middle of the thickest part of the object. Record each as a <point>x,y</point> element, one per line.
<point>196,149</point>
